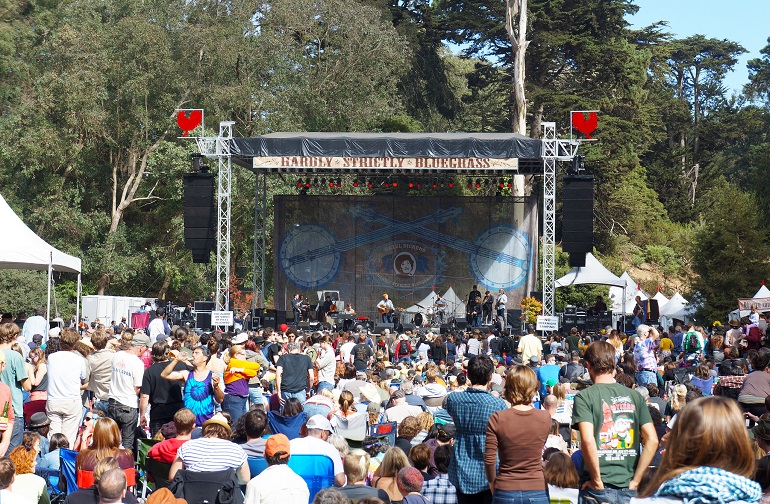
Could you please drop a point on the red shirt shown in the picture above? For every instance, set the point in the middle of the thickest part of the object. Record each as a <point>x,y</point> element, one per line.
<point>165,451</point>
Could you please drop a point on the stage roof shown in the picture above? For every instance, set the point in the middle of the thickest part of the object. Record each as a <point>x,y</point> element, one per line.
<point>460,153</point>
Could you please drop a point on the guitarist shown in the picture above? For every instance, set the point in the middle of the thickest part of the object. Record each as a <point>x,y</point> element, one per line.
<point>385,308</point>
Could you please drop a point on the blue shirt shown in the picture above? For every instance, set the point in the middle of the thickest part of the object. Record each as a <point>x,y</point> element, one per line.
<point>678,340</point>
<point>470,411</point>
<point>545,373</point>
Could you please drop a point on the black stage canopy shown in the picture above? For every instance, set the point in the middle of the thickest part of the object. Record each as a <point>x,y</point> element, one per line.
<point>366,152</point>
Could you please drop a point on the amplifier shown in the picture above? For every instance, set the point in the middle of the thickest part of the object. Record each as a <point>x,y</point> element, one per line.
<point>204,306</point>
<point>570,310</point>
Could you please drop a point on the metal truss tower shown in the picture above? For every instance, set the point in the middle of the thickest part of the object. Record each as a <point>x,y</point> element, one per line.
<point>260,242</point>
<point>550,155</point>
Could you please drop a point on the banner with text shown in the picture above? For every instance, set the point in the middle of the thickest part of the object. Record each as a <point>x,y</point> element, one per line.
<point>409,247</point>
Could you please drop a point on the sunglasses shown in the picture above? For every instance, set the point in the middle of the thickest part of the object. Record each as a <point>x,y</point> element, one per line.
<point>88,418</point>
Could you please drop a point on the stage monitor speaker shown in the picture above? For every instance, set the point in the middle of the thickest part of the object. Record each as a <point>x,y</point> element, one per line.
<point>269,321</point>
<point>514,322</point>
<point>280,317</point>
<point>578,216</point>
<point>445,329</point>
<point>537,295</point>
<point>304,326</point>
<point>461,324</point>
<point>652,309</point>
<point>256,322</point>
<point>381,326</point>
<point>408,327</point>
<point>205,306</point>
<point>199,215</point>
<point>203,320</point>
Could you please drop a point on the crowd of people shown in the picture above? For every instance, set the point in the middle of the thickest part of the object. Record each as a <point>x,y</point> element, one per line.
<point>674,415</point>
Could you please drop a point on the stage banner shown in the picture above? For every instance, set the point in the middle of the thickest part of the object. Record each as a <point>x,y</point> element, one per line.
<point>410,247</point>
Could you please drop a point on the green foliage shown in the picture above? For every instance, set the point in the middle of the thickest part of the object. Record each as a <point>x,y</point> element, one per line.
<point>730,252</point>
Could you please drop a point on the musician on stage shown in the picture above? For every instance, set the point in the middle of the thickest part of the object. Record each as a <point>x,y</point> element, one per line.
<point>487,303</point>
<point>440,306</point>
<point>349,309</point>
<point>329,306</point>
<point>385,308</point>
<point>502,300</point>
<point>474,293</point>
<point>476,310</point>
<point>296,307</point>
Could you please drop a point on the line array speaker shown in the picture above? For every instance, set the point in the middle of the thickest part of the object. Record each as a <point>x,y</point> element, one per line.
<point>577,237</point>
<point>199,215</point>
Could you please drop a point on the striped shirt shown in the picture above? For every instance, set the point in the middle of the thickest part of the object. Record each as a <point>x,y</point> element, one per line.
<point>211,454</point>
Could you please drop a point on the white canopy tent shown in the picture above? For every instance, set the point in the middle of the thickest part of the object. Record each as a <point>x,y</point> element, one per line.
<point>676,308</point>
<point>26,250</point>
<point>763,293</point>
<point>625,303</point>
<point>660,298</point>
<point>455,305</point>
<point>593,273</point>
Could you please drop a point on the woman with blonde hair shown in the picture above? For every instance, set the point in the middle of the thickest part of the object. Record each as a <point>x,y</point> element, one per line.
<point>562,478</point>
<point>26,483</point>
<point>708,457</point>
<point>347,405</point>
<point>676,402</point>
<point>237,374</point>
<point>425,420</point>
<point>105,442</point>
<point>90,495</point>
<point>516,437</point>
<point>394,460</point>
<point>37,370</point>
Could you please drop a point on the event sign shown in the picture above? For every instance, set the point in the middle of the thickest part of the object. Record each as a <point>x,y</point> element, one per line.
<point>762,304</point>
<point>547,323</point>
<point>334,163</point>
<point>222,318</point>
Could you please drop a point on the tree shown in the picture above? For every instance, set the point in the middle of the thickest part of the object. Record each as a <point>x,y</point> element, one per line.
<point>516,27</point>
<point>729,252</point>
<point>758,87</point>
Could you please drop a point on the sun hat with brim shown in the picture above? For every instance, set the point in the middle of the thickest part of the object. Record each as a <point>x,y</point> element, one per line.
<point>240,338</point>
<point>735,323</point>
<point>219,420</point>
<point>38,419</point>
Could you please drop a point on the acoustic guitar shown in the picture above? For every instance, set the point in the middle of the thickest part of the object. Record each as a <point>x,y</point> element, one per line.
<point>382,310</point>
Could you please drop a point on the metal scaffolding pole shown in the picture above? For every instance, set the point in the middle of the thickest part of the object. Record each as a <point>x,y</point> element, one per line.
<point>260,241</point>
<point>224,186</point>
<point>550,154</point>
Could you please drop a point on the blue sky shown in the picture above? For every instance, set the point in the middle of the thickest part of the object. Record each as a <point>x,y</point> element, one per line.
<point>744,21</point>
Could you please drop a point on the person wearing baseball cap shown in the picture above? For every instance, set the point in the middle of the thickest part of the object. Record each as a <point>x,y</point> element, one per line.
<point>316,443</point>
<point>277,483</point>
<point>125,383</point>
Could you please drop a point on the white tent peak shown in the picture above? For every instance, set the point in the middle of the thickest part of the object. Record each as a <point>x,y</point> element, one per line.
<point>763,292</point>
<point>26,250</point>
<point>592,273</point>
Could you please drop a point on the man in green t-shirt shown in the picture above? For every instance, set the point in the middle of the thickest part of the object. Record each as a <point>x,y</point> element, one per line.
<point>573,341</point>
<point>610,418</point>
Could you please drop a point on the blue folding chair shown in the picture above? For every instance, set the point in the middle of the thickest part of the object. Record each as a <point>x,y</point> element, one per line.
<point>51,477</point>
<point>316,470</point>
<point>256,465</point>
<point>67,468</point>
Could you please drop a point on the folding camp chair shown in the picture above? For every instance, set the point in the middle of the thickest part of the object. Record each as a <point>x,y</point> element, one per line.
<point>51,477</point>
<point>316,470</point>
<point>143,446</point>
<point>385,430</point>
<point>67,468</point>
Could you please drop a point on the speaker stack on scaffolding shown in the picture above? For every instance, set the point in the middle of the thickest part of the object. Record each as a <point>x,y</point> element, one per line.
<point>199,211</point>
<point>578,214</point>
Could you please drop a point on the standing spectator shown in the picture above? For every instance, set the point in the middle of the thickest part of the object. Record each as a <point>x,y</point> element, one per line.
<point>237,375</point>
<point>6,399</point>
<point>100,363</point>
<point>125,385</point>
<point>158,329</point>
<point>517,436</point>
<point>644,355</point>
<point>66,374</point>
<point>470,411</point>
<point>361,354</point>
<point>163,397</point>
<point>294,374</point>
<point>440,490</point>
<point>549,372</point>
<point>609,417</point>
<point>326,364</point>
<point>201,386</point>
<point>36,324</point>
<point>37,370</point>
<point>530,345</point>
<point>277,484</point>
<point>15,376</point>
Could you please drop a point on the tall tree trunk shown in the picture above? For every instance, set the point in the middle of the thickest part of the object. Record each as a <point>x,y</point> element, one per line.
<point>516,26</point>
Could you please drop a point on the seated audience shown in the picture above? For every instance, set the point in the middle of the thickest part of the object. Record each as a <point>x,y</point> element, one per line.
<point>165,451</point>
<point>277,484</point>
<point>356,467</point>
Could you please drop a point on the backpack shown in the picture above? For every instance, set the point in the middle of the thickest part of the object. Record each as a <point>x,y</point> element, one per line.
<point>506,345</point>
<point>403,349</point>
<point>691,342</point>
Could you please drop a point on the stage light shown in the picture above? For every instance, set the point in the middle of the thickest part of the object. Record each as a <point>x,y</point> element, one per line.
<point>331,183</point>
<point>435,184</point>
<point>501,184</point>
<point>300,184</point>
<point>369,184</point>
<point>478,184</point>
<point>419,185</point>
<point>395,184</point>
<point>307,184</point>
<point>470,184</point>
<point>411,185</point>
<point>451,185</point>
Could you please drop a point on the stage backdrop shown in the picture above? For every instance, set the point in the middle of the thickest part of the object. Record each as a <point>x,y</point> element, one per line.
<point>406,246</point>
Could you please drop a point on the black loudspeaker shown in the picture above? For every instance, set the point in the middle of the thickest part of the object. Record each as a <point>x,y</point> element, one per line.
<point>537,295</point>
<point>280,317</point>
<point>577,237</point>
<point>203,320</point>
<point>461,324</point>
<point>204,306</point>
<point>408,327</point>
<point>269,321</point>
<point>514,321</point>
<point>199,215</point>
<point>445,329</point>
<point>652,309</point>
<point>381,326</point>
<point>256,322</point>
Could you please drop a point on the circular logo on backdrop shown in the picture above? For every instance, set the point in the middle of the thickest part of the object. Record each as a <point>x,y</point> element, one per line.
<point>309,256</point>
<point>501,258</point>
<point>405,265</point>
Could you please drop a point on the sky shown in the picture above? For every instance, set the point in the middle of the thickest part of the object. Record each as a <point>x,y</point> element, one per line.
<point>744,21</point>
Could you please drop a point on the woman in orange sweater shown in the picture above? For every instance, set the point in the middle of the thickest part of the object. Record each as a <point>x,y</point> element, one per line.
<point>237,375</point>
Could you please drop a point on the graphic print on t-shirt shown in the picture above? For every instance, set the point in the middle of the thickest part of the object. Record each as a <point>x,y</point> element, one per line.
<point>616,435</point>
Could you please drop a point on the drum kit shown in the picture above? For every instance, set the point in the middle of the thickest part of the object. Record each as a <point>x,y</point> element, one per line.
<point>425,317</point>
